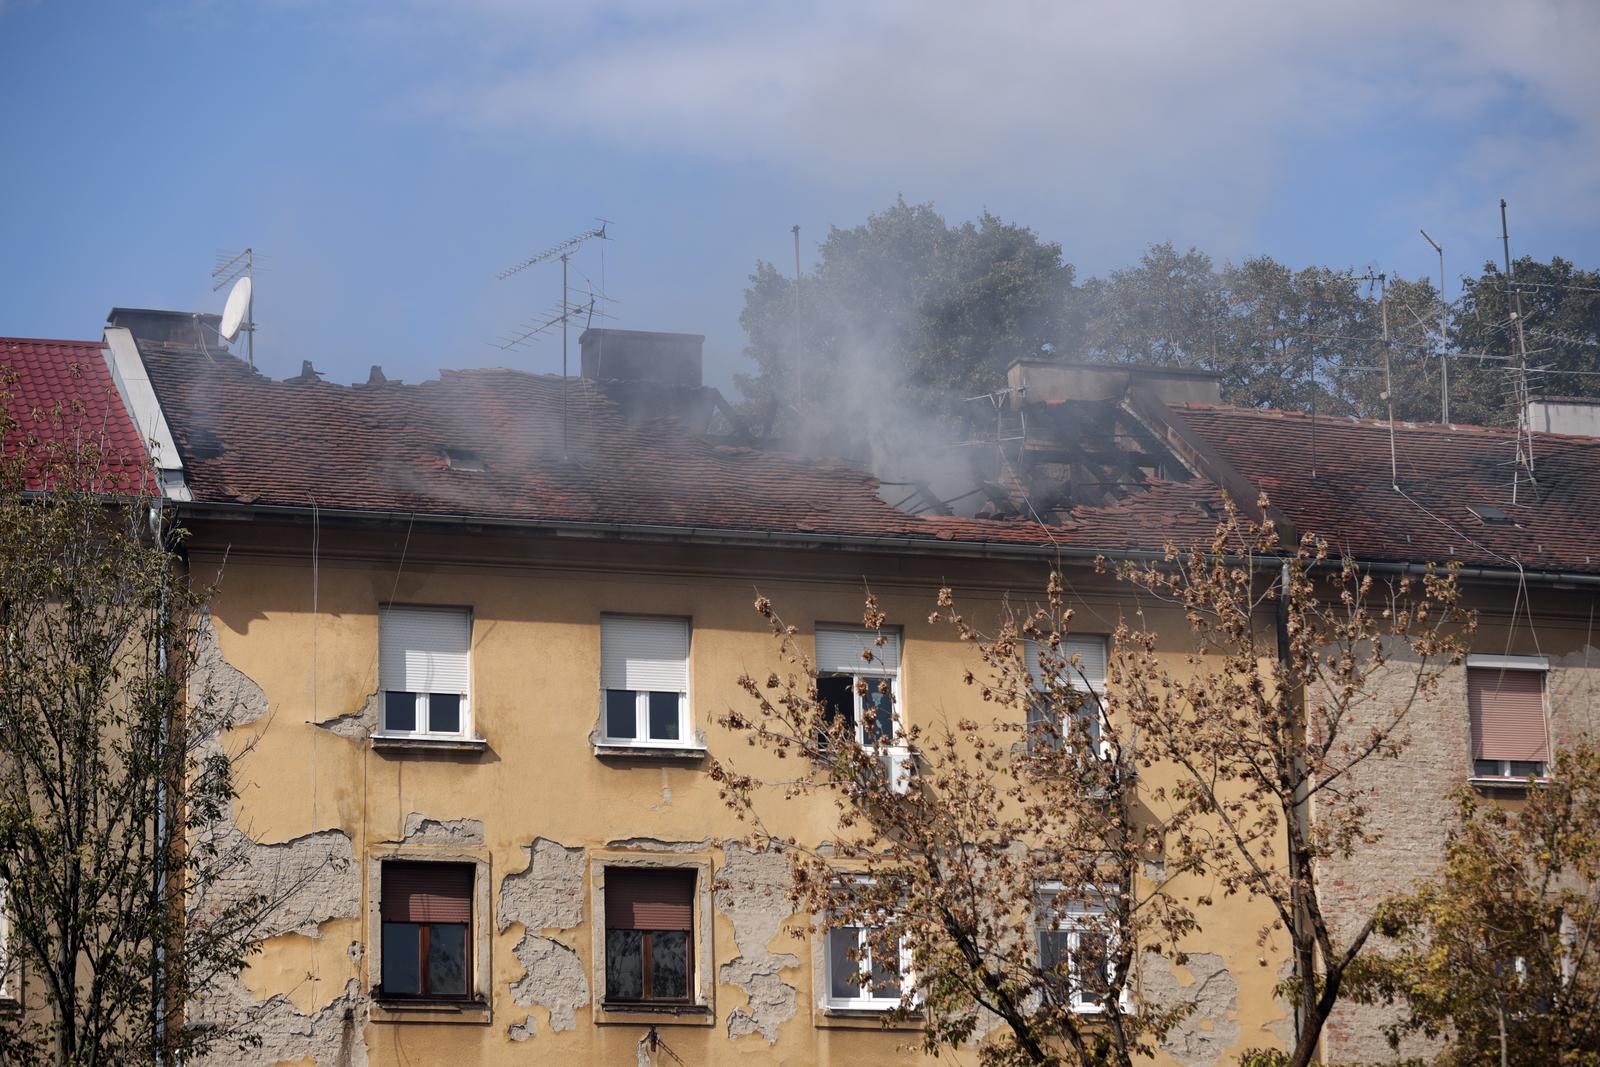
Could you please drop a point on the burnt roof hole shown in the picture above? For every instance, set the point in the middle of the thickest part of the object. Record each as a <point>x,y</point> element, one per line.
<point>461,459</point>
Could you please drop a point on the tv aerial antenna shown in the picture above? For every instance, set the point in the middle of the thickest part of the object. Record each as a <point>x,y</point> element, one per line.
<point>564,309</point>
<point>238,315</point>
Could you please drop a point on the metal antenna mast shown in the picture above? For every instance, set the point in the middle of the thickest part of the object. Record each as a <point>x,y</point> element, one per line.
<point>1519,372</point>
<point>242,265</point>
<point>562,251</point>
<point>1444,362</point>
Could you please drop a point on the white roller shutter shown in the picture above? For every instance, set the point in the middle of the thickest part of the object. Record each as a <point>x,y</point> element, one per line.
<point>839,650</point>
<point>1091,653</point>
<point>424,650</point>
<point>644,654</point>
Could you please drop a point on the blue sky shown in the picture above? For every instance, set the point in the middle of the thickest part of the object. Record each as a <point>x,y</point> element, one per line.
<point>389,158</point>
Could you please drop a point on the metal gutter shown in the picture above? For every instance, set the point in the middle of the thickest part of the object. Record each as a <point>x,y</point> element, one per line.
<point>722,537</point>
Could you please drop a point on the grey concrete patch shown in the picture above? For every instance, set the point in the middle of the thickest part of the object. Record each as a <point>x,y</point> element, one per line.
<point>355,725</point>
<point>752,893</point>
<point>655,844</point>
<point>553,978</point>
<point>548,894</point>
<point>1211,1028</point>
<point>523,1030</point>
<point>1282,1028</point>
<point>452,833</point>
<point>332,1036</point>
<point>307,880</point>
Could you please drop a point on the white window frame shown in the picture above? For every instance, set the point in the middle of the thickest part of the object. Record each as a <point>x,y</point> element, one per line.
<point>866,1001</point>
<point>1514,663</point>
<point>870,675</point>
<point>1095,689</point>
<point>1069,918</point>
<point>642,738</point>
<point>423,731</point>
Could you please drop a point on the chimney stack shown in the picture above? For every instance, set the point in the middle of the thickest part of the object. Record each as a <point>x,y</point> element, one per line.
<point>672,359</point>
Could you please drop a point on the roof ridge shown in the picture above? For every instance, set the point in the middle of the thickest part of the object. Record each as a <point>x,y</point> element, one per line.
<point>1378,424</point>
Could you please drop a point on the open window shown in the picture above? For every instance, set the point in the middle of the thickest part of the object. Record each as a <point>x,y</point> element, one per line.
<point>1077,948</point>
<point>427,930</point>
<point>1074,672</point>
<point>424,667</point>
<point>644,681</point>
<point>858,682</point>
<point>1506,706</point>
<point>650,936</point>
<point>863,692</point>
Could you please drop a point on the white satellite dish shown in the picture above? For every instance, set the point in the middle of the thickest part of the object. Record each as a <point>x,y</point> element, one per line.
<point>238,306</point>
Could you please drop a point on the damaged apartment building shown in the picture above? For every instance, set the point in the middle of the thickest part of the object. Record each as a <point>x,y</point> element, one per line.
<point>478,631</point>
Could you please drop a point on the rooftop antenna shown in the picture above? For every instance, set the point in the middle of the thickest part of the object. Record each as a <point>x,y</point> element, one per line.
<point>562,251</point>
<point>1444,362</point>
<point>1519,370</point>
<point>1382,278</point>
<point>238,315</point>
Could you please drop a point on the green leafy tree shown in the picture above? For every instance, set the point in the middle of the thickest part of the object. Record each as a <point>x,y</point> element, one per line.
<point>1560,327</point>
<point>109,771</point>
<point>1279,337</point>
<point>903,305</point>
<point>1500,955</point>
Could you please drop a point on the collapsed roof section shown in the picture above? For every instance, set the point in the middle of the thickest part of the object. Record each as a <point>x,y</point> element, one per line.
<point>1083,460</point>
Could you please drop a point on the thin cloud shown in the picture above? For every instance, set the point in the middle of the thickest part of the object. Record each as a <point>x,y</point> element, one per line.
<point>1156,108</point>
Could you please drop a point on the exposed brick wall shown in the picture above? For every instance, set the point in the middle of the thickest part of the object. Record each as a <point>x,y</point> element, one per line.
<point>1408,807</point>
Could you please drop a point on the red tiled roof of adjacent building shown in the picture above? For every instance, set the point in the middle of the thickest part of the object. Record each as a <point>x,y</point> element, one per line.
<point>1443,473</point>
<point>60,393</point>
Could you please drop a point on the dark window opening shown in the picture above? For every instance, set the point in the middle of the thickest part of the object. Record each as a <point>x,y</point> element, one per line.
<point>837,695</point>
<point>426,910</point>
<point>400,712</point>
<point>649,935</point>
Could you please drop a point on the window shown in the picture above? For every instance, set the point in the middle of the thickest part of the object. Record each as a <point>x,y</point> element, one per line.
<point>649,935</point>
<point>1076,948</point>
<point>856,979</point>
<point>1043,729</point>
<point>644,676</point>
<point>427,929</point>
<point>864,693</point>
<point>424,667</point>
<point>1505,703</point>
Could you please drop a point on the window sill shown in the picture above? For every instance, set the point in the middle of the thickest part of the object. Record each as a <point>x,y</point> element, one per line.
<point>676,753</point>
<point>397,743</point>
<point>429,1010</point>
<point>614,1012</point>
<point>1498,784</point>
<point>866,1018</point>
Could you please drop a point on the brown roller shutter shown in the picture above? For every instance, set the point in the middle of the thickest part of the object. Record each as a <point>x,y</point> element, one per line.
<point>427,893</point>
<point>647,899</point>
<point>1507,712</point>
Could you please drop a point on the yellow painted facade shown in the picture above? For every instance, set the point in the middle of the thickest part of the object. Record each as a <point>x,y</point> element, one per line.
<point>306,632</point>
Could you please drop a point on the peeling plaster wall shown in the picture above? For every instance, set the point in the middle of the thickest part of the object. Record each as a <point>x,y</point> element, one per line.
<point>534,808</point>
<point>1208,988</point>
<point>547,895</point>
<point>311,881</point>
<point>752,894</point>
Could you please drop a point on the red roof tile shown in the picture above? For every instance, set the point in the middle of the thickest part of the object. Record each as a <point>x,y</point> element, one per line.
<point>1443,471</point>
<point>60,392</point>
